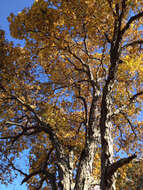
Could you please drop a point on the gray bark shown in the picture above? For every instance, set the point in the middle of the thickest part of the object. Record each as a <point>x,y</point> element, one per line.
<point>84,178</point>
<point>66,173</point>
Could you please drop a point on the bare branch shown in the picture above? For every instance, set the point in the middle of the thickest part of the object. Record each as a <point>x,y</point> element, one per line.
<point>31,175</point>
<point>2,88</point>
<point>135,96</point>
<point>131,125</point>
<point>84,40</point>
<point>42,125</point>
<point>110,5</point>
<point>76,57</point>
<point>41,170</point>
<point>123,10</point>
<point>12,165</point>
<point>131,20</point>
<point>134,43</point>
<point>23,133</point>
<point>107,38</point>
<point>87,70</point>
<point>41,183</point>
<point>115,166</point>
<point>122,140</point>
<point>27,106</point>
<point>14,123</point>
<point>101,64</point>
<point>78,69</point>
<point>131,100</point>
<point>85,106</point>
<point>45,127</point>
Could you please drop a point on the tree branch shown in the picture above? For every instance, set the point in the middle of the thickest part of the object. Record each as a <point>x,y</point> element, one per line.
<point>41,170</point>
<point>76,57</point>
<point>123,9</point>
<point>12,165</point>
<point>115,166</point>
<point>107,38</point>
<point>131,125</point>
<point>131,100</point>
<point>87,70</point>
<point>27,106</point>
<point>84,40</point>
<point>31,175</point>
<point>134,43</point>
<point>131,20</point>
<point>110,5</point>
<point>45,127</point>
<point>76,68</point>
<point>85,106</point>
<point>135,96</point>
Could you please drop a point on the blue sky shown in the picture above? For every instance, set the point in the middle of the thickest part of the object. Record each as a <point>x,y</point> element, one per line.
<point>7,7</point>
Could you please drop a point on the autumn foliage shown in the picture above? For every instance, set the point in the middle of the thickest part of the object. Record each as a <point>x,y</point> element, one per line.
<point>71,98</point>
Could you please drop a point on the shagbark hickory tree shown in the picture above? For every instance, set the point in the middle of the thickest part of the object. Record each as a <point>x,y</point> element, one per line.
<point>72,97</point>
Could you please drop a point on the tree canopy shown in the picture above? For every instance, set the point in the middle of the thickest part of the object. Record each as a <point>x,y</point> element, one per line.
<point>72,96</point>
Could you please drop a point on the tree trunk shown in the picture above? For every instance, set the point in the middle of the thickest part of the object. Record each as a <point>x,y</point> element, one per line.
<point>64,176</point>
<point>66,172</point>
<point>84,174</point>
<point>84,178</point>
<point>107,180</point>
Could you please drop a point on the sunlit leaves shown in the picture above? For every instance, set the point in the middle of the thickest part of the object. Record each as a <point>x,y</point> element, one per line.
<point>67,52</point>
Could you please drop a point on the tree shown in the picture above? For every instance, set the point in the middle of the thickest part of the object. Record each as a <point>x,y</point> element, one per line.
<point>76,94</point>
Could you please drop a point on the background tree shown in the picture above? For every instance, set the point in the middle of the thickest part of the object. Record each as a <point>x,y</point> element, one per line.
<point>76,94</point>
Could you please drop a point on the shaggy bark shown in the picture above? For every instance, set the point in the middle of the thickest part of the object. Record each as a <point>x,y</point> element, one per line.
<point>84,177</point>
